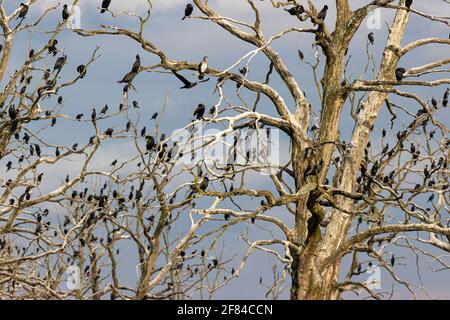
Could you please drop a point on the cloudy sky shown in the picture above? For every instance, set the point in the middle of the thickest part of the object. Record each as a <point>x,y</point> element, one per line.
<point>191,40</point>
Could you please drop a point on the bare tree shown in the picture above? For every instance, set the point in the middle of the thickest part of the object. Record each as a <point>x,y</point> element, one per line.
<point>385,187</point>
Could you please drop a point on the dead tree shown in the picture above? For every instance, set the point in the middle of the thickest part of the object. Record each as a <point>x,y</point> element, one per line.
<point>383,187</point>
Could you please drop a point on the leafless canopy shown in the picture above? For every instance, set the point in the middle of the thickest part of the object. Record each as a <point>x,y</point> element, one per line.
<point>345,196</point>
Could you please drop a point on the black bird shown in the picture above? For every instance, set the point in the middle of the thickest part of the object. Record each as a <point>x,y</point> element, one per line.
<point>371,38</point>
<point>129,77</point>
<point>109,132</point>
<point>104,110</point>
<point>323,13</point>
<point>81,69</point>
<point>188,10</point>
<point>57,153</point>
<point>65,13</point>
<point>199,111</point>
<point>105,5</point>
<point>12,112</point>
<point>203,186</point>
<point>400,73</point>
<point>93,115</point>
<point>79,116</point>
<point>151,143</point>
<point>23,11</point>
<point>295,10</point>
<point>392,260</point>
<point>408,3</point>
<point>31,53</point>
<point>186,82</point>
<point>136,64</point>
<point>60,63</point>
<point>52,46</point>
<point>434,102</point>
<point>155,115</point>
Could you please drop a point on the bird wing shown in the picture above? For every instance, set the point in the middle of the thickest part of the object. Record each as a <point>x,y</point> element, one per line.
<point>182,79</point>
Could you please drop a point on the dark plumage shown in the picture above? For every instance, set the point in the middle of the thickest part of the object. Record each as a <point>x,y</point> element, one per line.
<point>151,143</point>
<point>199,111</point>
<point>408,3</point>
<point>105,5</point>
<point>323,13</point>
<point>128,78</point>
<point>371,38</point>
<point>188,10</point>
<point>65,13</point>
<point>136,64</point>
<point>295,10</point>
<point>186,82</point>
<point>81,69</point>
<point>109,132</point>
<point>60,63</point>
<point>400,73</point>
<point>104,110</point>
<point>23,11</point>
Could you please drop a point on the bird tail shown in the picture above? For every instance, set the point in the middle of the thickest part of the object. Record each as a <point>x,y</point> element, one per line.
<point>183,18</point>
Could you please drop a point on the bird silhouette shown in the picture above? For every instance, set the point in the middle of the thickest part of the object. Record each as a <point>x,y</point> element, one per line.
<point>136,64</point>
<point>323,13</point>
<point>371,38</point>
<point>23,11</point>
<point>105,5</point>
<point>400,73</point>
<point>65,13</point>
<point>187,84</point>
<point>188,11</point>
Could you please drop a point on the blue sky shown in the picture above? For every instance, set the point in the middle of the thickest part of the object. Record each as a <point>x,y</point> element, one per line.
<point>191,40</point>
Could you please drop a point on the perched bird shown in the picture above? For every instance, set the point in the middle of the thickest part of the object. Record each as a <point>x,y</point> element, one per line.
<point>408,3</point>
<point>81,69</point>
<point>65,13</point>
<point>128,78</point>
<point>203,186</point>
<point>294,11</point>
<point>203,66</point>
<point>150,144</point>
<point>79,116</point>
<point>104,110</point>
<point>105,5</point>
<point>434,102</point>
<point>199,111</point>
<point>23,11</point>
<point>93,115</point>
<point>155,115</point>
<point>323,13</point>
<point>109,132</point>
<point>371,38</point>
<point>399,73</point>
<point>60,63</point>
<point>392,260</point>
<point>136,64</point>
<point>188,10</point>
